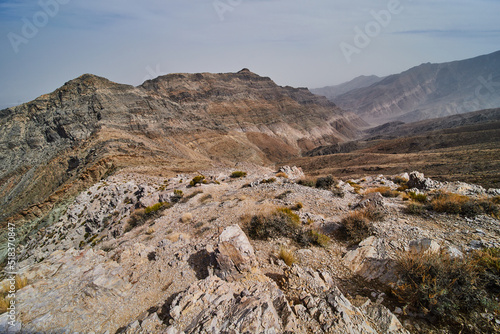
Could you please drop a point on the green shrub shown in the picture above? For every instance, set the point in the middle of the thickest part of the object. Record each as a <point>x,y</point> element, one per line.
<point>197,180</point>
<point>178,194</point>
<point>319,238</point>
<point>326,182</point>
<point>152,209</point>
<point>307,183</point>
<point>238,174</point>
<point>413,208</point>
<point>421,198</point>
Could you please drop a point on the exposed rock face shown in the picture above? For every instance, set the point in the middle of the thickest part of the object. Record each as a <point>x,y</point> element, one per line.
<point>67,140</point>
<point>429,91</point>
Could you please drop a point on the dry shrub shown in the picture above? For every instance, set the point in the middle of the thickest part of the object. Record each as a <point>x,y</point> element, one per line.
<point>206,198</point>
<point>185,199</point>
<point>413,208</point>
<point>446,288</point>
<point>307,182</point>
<point>20,282</point>
<point>287,256</point>
<point>463,205</point>
<point>327,182</point>
<point>357,187</point>
<point>384,191</point>
<point>270,180</point>
<point>297,206</point>
<point>356,226</point>
<point>283,175</point>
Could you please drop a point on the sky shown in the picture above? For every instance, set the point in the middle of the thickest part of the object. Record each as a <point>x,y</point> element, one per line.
<point>299,43</point>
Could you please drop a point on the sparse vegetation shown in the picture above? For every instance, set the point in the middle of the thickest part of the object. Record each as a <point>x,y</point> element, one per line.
<point>19,282</point>
<point>413,208</point>
<point>140,216</point>
<point>205,198</point>
<point>238,174</point>
<point>307,182</point>
<point>283,222</point>
<point>280,223</point>
<point>287,256</point>
<point>448,288</point>
<point>271,180</point>
<point>297,206</point>
<point>283,175</point>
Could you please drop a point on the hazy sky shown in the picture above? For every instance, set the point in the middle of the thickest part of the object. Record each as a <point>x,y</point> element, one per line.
<point>309,43</point>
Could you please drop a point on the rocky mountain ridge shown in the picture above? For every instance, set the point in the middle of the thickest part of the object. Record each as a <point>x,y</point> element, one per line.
<point>62,142</point>
<point>428,91</point>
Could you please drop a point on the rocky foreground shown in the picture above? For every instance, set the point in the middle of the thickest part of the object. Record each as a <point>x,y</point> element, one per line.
<point>143,254</point>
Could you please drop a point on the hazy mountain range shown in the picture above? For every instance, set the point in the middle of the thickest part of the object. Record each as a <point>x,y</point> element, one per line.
<point>422,92</point>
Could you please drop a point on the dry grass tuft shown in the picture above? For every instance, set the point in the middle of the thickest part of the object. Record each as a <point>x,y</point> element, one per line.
<point>186,217</point>
<point>283,175</point>
<point>384,191</point>
<point>287,256</point>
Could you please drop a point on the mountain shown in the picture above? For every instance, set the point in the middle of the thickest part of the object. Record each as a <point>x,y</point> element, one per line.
<point>429,91</point>
<point>65,141</point>
<point>331,92</point>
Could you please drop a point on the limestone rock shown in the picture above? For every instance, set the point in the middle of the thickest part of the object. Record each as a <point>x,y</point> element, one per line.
<point>234,254</point>
<point>422,246</point>
<point>293,173</point>
<point>370,260</point>
<point>218,306</point>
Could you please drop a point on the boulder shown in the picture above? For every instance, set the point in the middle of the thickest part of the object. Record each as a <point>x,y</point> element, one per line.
<point>422,246</point>
<point>234,255</point>
<point>370,261</point>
